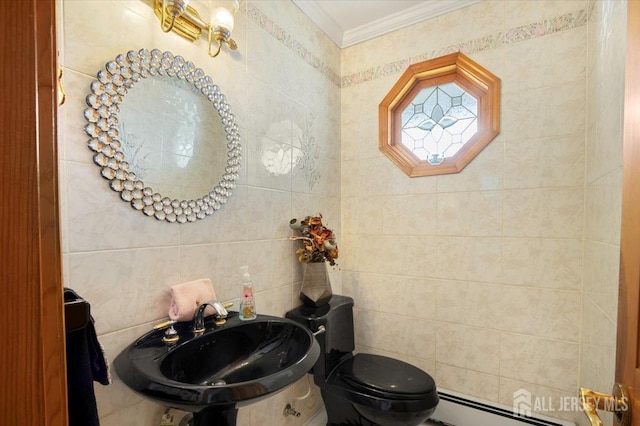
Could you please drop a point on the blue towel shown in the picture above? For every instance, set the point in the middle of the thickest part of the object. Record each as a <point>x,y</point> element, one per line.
<point>86,363</point>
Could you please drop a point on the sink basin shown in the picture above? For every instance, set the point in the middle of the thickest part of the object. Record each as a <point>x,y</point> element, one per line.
<point>226,367</point>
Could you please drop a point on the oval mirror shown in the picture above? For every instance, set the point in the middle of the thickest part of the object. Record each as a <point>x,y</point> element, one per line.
<point>163,135</point>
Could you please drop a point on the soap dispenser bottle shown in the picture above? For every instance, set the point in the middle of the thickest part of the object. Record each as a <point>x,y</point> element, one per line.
<point>247,304</point>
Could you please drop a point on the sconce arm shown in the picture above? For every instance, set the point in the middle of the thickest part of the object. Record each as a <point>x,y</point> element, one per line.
<point>218,40</point>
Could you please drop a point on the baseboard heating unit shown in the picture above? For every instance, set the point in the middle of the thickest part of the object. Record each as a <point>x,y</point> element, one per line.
<point>461,410</point>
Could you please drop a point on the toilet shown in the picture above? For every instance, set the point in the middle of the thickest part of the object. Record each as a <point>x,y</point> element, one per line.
<point>363,389</point>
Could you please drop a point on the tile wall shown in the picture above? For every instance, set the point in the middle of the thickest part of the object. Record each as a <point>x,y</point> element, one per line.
<point>605,97</point>
<point>283,86</point>
<point>478,277</point>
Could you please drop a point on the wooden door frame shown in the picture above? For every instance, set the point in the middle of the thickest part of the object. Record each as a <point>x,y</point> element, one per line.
<point>627,350</point>
<point>32,350</point>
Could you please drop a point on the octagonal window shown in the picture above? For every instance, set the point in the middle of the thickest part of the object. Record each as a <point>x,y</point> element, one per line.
<point>440,114</point>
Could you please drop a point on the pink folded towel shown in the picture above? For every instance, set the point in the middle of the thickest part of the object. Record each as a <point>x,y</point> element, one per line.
<point>186,297</point>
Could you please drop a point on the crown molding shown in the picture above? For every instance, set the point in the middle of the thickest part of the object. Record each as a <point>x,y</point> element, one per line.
<point>322,20</point>
<point>413,15</point>
<point>421,12</point>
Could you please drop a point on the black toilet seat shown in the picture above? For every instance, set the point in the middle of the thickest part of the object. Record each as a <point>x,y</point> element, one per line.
<point>386,377</point>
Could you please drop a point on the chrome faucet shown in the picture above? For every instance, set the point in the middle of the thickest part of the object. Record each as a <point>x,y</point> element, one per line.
<point>198,319</point>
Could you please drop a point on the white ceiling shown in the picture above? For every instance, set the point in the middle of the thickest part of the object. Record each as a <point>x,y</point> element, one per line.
<point>348,22</point>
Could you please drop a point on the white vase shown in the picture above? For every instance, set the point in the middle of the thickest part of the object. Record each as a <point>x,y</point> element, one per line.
<point>316,286</point>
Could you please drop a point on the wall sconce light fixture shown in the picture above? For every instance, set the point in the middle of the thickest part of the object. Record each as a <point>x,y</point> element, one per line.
<point>183,19</point>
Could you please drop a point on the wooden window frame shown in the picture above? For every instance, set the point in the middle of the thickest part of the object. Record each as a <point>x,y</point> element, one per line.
<point>453,68</point>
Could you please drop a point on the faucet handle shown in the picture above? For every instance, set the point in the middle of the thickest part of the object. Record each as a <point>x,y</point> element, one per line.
<point>171,336</point>
<point>164,324</point>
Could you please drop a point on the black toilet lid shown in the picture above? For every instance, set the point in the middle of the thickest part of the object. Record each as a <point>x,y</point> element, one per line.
<point>386,375</point>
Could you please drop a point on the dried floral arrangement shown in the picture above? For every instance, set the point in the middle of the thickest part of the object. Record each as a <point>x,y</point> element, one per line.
<point>319,241</point>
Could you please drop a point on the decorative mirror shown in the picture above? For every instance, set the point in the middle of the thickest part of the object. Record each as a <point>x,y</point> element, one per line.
<point>163,135</point>
<point>439,115</point>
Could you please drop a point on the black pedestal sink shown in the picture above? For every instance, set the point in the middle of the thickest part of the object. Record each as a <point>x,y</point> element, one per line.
<point>226,367</point>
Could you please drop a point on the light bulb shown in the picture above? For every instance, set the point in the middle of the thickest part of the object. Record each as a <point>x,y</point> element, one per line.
<point>222,18</point>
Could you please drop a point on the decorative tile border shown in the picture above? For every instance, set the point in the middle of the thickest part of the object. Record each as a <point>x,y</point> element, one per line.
<point>548,26</point>
<point>267,24</point>
<point>514,35</point>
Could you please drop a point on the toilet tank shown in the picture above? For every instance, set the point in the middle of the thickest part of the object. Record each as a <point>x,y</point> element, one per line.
<point>337,341</point>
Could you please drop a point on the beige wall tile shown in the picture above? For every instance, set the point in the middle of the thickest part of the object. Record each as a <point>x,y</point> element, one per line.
<point>470,259</point>
<point>550,363</point>
<point>469,303</point>
<point>470,382</point>
<point>388,332</point>
<point>604,204</point>
<point>228,224</point>
<point>606,41</point>
<point>360,103</point>
<point>542,262</point>
<point>541,312</point>
<point>602,275</point>
<point>363,215</point>
<point>421,340</point>
<point>603,154</point>
<point>271,220</point>
<point>606,38</point>
<point>453,343</point>
<point>544,163</point>
<point>382,352</point>
<point>414,297</point>
<point>91,22</point>
<point>222,262</point>
<point>125,287</point>
<point>396,182</point>
<point>484,173</point>
<point>358,141</point>
<point>410,215</point>
<point>470,214</point>
<point>95,213</point>
<point>599,330</point>
<point>408,256</point>
<point>558,60</point>
<point>362,178</point>
<point>605,87</point>
<point>597,356</point>
<point>555,213</point>
<point>544,112</point>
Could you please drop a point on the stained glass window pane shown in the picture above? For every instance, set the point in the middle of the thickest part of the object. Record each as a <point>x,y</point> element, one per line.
<point>439,121</point>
